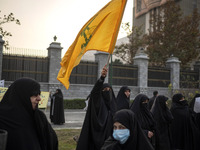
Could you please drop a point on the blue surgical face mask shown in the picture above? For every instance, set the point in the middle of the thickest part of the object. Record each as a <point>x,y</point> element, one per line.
<point>121,135</point>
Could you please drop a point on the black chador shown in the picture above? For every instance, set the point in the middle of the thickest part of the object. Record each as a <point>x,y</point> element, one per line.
<point>123,102</point>
<point>28,128</point>
<point>98,123</point>
<point>185,135</point>
<point>163,118</point>
<point>57,109</point>
<point>144,116</point>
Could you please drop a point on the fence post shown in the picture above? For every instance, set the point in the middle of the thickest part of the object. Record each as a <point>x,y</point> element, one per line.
<point>142,60</point>
<point>174,64</point>
<point>101,58</point>
<point>1,54</point>
<point>54,54</point>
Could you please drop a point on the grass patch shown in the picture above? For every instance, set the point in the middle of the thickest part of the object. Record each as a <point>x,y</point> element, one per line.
<point>65,138</point>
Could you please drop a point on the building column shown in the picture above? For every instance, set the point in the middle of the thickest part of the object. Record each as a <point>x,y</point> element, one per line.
<point>54,54</point>
<point>101,58</point>
<point>142,60</point>
<point>174,64</point>
<point>1,55</point>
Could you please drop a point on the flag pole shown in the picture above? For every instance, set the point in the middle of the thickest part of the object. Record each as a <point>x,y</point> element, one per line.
<point>107,64</point>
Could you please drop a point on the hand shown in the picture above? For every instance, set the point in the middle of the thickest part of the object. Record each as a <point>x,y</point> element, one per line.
<point>104,71</point>
<point>150,134</point>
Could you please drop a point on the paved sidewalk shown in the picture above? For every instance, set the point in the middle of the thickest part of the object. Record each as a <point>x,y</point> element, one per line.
<point>73,119</point>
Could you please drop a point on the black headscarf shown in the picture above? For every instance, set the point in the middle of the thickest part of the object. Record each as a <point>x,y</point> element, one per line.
<point>184,133</point>
<point>98,123</point>
<point>58,93</point>
<point>176,103</point>
<point>136,141</point>
<point>123,102</point>
<point>21,121</point>
<point>142,113</point>
<point>163,118</point>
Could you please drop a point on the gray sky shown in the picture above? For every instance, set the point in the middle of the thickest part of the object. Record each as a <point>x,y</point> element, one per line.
<point>41,20</point>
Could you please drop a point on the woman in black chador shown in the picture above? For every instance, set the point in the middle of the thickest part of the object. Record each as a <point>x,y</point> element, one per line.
<point>27,126</point>
<point>144,117</point>
<point>185,135</point>
<point>127,133</point>
<point>163,118</point>
<point>57,115</point>
<point>123,98</point>
<point>98,123</point>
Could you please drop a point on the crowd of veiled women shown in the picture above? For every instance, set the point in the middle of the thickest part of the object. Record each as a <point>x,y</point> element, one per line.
<point>114,123</point>
<point>111,123</point>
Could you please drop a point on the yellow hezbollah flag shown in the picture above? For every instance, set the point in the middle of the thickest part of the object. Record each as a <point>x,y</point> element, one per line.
<point>99,33</point>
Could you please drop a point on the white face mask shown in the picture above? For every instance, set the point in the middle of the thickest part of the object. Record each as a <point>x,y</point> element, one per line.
<point>121,135</point>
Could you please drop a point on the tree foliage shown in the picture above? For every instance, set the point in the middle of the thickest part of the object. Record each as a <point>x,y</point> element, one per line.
<point>171,33</point>
<point>4,20</point>
<point>126,51</point>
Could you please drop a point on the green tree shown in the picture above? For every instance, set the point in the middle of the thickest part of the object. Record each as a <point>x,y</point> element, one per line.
<point>171,33</point>
<point>4,20</point>
<point>126,51</point>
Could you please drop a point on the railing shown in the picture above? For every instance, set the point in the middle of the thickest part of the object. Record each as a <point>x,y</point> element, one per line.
<point>123,75</point>
<point>158,77</point>
<point>25,52</point>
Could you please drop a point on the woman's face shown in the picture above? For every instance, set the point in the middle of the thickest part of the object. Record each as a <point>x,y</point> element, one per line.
<point>106,89</point>
<point>182,99</point>
<point>35,101</point>
<point>127,93</point>
<point>146,101</point>
<point>118,126</point>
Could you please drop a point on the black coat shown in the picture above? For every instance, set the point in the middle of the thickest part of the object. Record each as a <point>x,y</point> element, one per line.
<point>163,118</point>
<point>57,115</point>
<point>184,133</point>
<point>28,129</point>
<point>98,123</point>
<point>123,102</point>
<point>136,141</point>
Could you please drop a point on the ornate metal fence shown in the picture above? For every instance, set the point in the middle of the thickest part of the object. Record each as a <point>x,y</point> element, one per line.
<point>84,73</point>
<point>123,75</point>
<point>158,77</point>
<point>19,63</point>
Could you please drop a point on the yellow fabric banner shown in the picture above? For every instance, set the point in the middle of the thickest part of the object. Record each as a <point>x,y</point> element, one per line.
<point>42,104</point>
<point>99,33</point>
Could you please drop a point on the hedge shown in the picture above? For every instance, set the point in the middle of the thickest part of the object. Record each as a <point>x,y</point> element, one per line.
<point>74,104</point>
<point>80,103</point>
